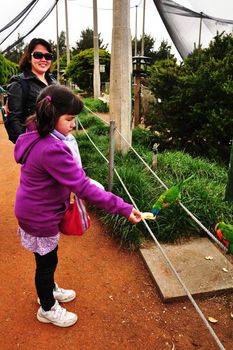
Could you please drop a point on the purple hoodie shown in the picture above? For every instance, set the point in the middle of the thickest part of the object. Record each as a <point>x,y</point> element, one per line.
<point>48,175</point>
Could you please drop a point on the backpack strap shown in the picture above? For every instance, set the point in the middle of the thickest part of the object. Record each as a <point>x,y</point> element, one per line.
<point>25,88</point>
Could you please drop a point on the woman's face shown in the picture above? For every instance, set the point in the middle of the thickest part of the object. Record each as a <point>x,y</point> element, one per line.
<point>39,64</point>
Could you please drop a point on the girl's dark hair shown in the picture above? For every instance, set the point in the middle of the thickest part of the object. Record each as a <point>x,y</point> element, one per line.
<point>53,102</point>
<point>25,62</point>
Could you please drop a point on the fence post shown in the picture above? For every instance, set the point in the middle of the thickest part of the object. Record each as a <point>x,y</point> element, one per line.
<point>229,187</point>
<point>111,154</point>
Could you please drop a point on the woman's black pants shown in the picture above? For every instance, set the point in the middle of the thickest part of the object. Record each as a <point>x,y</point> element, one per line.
<point>44,277</point>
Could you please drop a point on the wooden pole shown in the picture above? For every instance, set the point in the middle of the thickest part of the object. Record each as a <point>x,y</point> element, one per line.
<point>111,154</point>
<point>120,74</point>
<point>67,34</point>
<point>58,50</point>
<point>229,187</point>
<point>96,73</point>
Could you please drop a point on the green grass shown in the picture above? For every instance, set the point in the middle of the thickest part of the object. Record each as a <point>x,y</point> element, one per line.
<point>96,105</point>
<point>203,195</point>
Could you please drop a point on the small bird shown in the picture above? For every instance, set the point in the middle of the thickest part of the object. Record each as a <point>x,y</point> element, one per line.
<point>225,233</point>
<point>169,197</point>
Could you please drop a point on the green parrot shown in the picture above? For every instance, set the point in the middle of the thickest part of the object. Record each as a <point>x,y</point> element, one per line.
<point>225,234</point>
<point>169,197</point>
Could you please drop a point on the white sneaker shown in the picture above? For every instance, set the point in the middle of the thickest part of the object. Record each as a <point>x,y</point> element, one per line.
<point>62,295</point>
<point>57,315</point>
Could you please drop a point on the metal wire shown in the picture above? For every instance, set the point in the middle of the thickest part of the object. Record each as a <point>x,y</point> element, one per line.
<point>32,29</point>
<point>213,334</point>
<point>163,184</point>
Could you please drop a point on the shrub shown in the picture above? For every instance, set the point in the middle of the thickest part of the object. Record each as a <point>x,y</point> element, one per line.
<point>80,68</point>
<point>195,109</point>
<point>143,137</point>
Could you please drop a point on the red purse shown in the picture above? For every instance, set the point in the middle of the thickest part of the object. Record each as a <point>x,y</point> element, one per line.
<point>76,219</point>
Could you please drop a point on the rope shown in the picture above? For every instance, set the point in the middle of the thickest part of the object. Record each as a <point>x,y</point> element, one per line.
<point>163,184</point>
<point>213,334</point>
<point>175,273</point>
<point>93,142</point>
<point>97,115</point>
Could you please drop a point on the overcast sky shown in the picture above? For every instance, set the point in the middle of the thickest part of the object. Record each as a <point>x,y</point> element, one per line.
<point>81,16</point>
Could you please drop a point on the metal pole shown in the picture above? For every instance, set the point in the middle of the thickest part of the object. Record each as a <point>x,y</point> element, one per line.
<point>96,73</point>
<point>143,28</point>
<point>67,34</point>
<point>200,28</point>
<point>136,31</point>
<point>111,154</point>
<point>58,51</point>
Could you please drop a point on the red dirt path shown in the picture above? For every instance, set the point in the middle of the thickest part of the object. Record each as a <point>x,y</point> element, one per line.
<point>118,305</point>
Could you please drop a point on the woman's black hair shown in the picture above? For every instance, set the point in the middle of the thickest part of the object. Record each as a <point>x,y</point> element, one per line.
<point>53,102</point>
<point>25,62</point>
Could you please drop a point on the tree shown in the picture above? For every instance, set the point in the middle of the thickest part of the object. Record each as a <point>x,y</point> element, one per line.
<point>148,46</point>
<point>197,99</point>
<point>86,42</point>
<point>7,69</point>
<point>16,52</point>
<point>163,52</point>
<point>80,69</point>
<point>62,43</point>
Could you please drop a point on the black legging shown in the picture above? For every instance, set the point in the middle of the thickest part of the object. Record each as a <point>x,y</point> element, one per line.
<point>44,277</point>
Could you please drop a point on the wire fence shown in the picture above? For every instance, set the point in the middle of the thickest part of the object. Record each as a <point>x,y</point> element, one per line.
<point>198,222</point>
<point>188,293</point>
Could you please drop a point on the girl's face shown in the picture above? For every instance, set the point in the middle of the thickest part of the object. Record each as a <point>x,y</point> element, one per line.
<point>40,63</point>
<point>65,124</point>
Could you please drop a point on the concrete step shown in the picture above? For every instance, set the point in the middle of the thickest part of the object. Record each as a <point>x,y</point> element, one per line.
<point>203,276</point>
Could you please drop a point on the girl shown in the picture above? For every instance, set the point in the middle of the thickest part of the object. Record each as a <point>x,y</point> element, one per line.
<point>49,173</point>
<point>24,88</point>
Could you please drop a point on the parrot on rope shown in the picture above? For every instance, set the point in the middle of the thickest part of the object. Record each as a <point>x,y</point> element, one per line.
<point>225,233</point>
<point>168,197</point>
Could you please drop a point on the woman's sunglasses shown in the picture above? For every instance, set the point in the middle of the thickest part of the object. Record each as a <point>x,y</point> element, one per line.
<point>39,55</point>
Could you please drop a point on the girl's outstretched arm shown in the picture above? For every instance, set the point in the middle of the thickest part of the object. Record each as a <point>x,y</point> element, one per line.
<point>135,216</point>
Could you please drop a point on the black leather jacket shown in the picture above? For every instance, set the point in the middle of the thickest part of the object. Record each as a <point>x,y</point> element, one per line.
<point>22,100</point>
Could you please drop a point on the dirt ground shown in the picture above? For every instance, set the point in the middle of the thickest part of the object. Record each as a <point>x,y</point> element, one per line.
<point>117,303</point>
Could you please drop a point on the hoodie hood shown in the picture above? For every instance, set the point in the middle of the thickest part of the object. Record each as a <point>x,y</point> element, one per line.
<point>24,144</point>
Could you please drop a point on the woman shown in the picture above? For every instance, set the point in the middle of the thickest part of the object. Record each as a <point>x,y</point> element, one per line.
<point>24,88</point>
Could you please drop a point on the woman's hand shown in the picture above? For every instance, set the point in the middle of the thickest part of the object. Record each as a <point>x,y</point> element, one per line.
<point>135,216</point>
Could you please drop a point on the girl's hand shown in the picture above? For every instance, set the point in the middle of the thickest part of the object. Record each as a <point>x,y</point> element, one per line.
<point>135,216</point>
